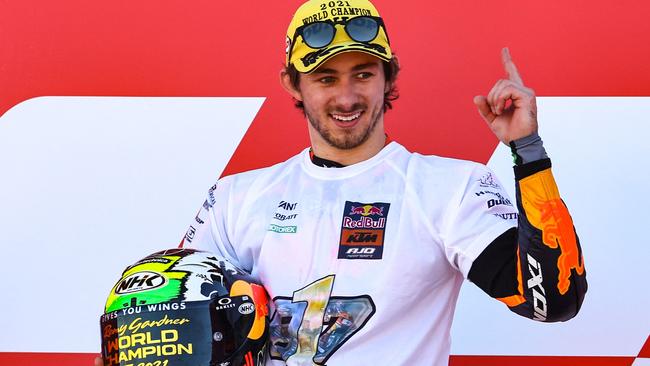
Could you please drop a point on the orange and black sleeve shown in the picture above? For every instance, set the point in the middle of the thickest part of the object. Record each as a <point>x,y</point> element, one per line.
<point>536,269</point>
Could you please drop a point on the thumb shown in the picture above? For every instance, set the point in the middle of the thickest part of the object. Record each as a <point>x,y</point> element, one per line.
<point>484,109</point>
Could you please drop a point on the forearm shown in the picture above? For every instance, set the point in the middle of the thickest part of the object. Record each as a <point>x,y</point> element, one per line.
<point>537,270</point>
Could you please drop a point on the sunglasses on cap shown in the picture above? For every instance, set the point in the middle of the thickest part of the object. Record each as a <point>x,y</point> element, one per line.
<point>320,34</point>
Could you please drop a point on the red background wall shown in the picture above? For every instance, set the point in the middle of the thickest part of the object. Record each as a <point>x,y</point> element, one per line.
<point>449,52</point>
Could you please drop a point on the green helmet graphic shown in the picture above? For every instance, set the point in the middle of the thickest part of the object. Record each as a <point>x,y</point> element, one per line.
<point>185,307</point>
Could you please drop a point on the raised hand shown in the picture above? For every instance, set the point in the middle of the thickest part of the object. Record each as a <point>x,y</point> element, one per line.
<point>510,109</point>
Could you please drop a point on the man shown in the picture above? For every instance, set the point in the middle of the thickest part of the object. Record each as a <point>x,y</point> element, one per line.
<point>363,245</point>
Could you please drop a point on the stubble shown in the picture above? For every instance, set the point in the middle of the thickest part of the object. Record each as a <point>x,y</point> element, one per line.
<point>348,139</point>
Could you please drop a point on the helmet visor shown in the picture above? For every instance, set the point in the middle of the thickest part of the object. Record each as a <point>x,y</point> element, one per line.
<point>200,333</point>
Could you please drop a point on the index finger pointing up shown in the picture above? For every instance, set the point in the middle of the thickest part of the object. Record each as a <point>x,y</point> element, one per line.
<point>510,67</point>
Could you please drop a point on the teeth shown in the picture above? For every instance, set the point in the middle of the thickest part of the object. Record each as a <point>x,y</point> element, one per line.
<point>346,118</point>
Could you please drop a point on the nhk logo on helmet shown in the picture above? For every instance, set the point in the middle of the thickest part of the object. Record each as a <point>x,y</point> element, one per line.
<point>140,281</point>
<point>362,230</point>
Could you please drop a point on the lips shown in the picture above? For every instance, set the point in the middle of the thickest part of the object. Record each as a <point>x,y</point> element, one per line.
<point>346,120</point>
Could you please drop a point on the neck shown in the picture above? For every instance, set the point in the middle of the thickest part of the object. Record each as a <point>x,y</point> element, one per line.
<point>365,151</point>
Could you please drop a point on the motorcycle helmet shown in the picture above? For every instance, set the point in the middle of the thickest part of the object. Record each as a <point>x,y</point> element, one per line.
<point>184,307</point>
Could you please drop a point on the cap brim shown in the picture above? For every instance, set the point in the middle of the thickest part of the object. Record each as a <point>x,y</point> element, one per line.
<point>323,55</point>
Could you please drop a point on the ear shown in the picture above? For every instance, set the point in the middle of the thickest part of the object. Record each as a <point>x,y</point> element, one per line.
<point>286,83</point>
<point>390,83</point>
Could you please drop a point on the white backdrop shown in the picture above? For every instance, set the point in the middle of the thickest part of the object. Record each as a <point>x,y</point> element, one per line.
<point>599,149</point>
<point>90,184</point>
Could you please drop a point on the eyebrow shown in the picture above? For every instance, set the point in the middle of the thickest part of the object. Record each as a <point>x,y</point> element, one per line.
<point>365,66</point>
<point>355,68</point>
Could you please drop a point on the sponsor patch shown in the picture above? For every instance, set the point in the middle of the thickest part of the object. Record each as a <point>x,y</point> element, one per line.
<point>362,230</point>
<point>283,229</point>
<point>498,202</point>
<point>488,181</point>
<point>211,200</point>
<point>140,281</point>
<point>285,213</point>
<point>508,216</point>
<point>189,235</point>
<point>287,205</point>
<point>282,217</point>
<point>246,308</point>
<point>364,237</point>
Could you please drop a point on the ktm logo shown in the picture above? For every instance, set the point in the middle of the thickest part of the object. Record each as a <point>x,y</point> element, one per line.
<point>362,237</point>
<point>140,281</point>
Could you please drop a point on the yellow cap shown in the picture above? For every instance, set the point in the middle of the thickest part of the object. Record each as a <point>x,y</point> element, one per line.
<point>306,59</point>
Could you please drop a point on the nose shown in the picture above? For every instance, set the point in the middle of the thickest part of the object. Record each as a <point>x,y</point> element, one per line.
<point>347,96</point>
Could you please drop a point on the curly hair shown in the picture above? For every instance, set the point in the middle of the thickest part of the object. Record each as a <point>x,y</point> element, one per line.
<point>391,70</point>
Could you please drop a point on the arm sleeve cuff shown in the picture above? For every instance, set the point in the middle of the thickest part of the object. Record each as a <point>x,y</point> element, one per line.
<point>528,149</point>
<point>528,169</point>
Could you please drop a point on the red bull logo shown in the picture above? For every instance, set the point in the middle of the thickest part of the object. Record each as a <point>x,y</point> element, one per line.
<point>362,230</point>
<point>557,231</point>
<point>364,223</point>
<point>546,211</point>
<point>367,210</point>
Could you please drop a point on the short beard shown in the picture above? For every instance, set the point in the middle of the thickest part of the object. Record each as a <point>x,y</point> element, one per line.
<point>349,140</point>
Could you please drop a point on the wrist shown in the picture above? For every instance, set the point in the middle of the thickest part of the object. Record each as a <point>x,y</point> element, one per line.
<point>528,149</point>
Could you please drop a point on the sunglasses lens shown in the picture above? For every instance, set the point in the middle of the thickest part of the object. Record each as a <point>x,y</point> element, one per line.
<point>362,29</point>
<point>318,35</point>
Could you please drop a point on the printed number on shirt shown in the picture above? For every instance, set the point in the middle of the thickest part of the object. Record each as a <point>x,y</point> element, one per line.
<point>310,326</point>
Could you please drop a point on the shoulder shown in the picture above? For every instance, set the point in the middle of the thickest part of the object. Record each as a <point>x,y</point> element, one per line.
<point>260,178</point>
<point>446,164</point>
<point>424,168</point>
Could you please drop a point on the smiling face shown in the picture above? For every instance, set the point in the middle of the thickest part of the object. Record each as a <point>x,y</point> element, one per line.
<point>343,101</point>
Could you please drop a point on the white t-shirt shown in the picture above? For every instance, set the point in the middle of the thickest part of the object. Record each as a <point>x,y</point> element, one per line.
<point>363,263</point>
